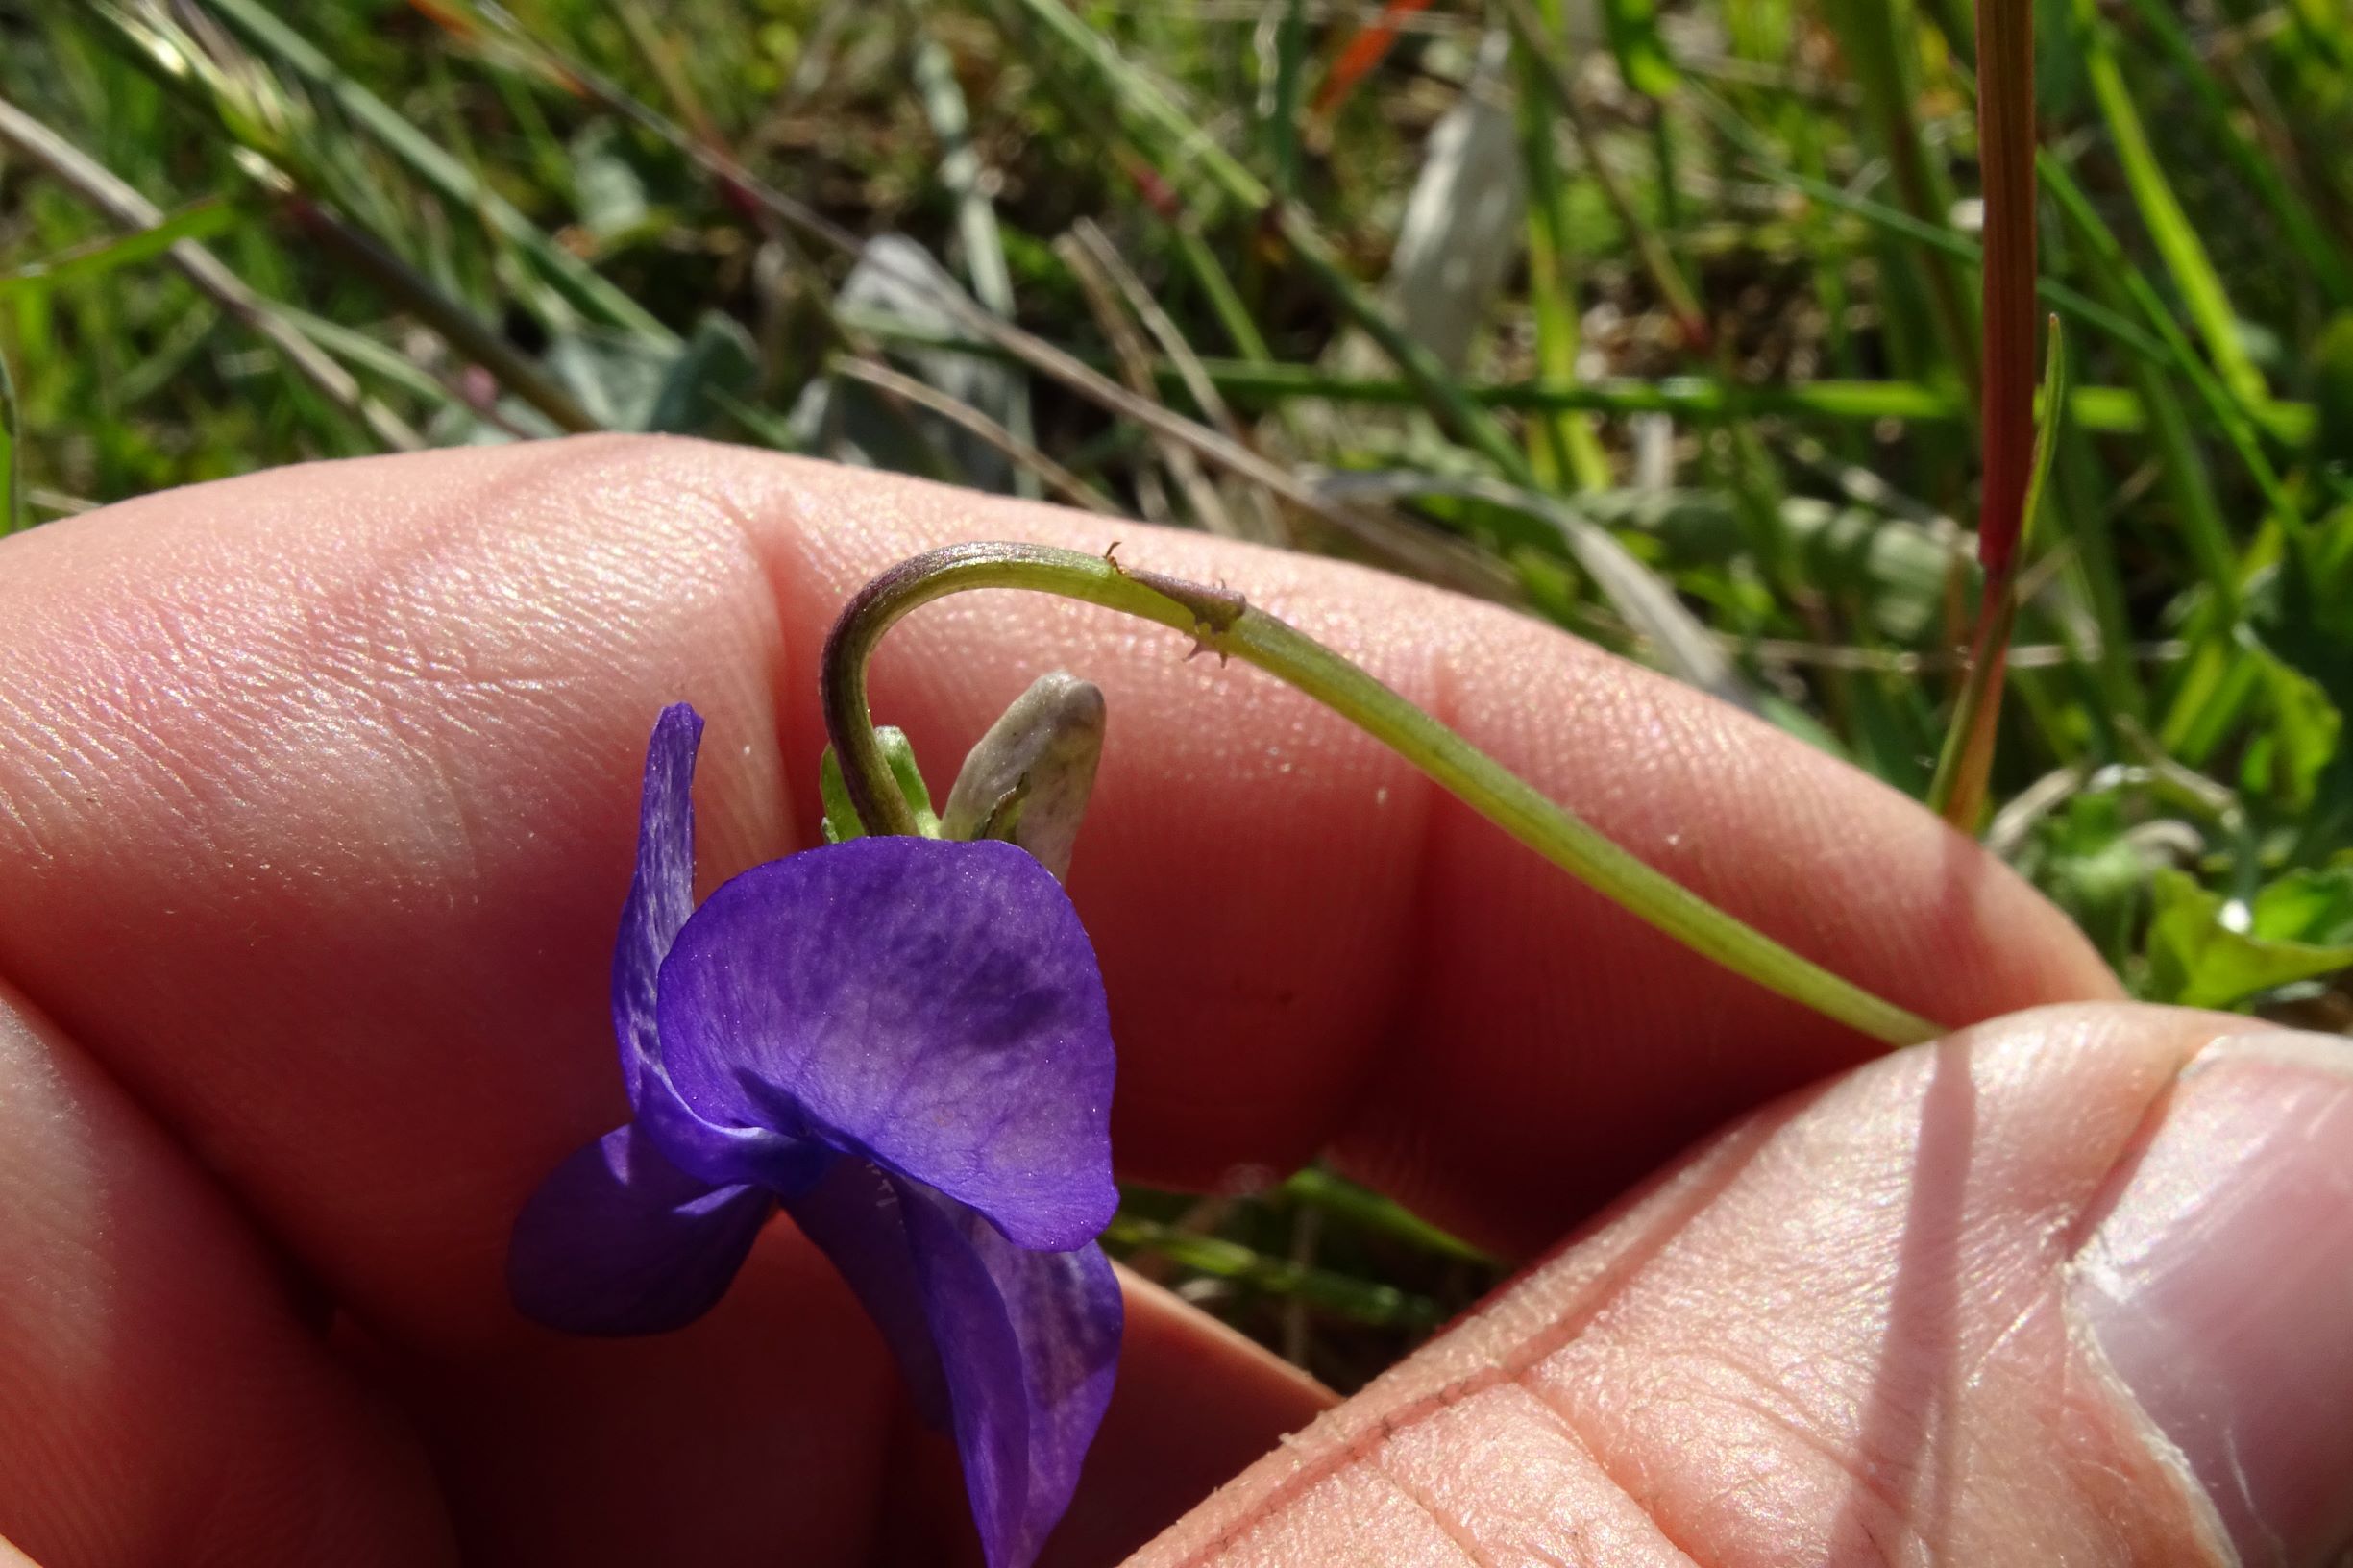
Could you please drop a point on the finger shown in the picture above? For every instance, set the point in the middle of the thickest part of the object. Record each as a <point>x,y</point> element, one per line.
<point>2034,1294</point>
<point>159,1401</point>
<point>772,1421</point>
<point>778,1419</point>
<point>316,793</point>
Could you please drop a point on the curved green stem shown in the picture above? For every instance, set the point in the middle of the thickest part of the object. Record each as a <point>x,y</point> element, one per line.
<point>1219,622</point>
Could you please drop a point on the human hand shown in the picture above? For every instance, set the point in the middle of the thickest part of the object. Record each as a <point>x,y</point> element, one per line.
<point>317,795</point>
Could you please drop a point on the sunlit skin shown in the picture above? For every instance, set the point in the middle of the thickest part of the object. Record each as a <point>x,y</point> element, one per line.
<point>317,803</point>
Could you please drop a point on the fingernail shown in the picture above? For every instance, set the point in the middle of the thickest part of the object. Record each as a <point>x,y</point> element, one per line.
<point>2219,1286</point>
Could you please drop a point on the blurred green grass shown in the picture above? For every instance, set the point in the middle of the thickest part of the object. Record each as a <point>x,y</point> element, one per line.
<point>1655,320</point>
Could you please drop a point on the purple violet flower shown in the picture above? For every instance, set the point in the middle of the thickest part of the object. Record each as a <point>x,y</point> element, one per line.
<point>905,1041</point>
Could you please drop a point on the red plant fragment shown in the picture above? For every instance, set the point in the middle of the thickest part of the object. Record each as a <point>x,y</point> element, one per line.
<point>1366,50</point>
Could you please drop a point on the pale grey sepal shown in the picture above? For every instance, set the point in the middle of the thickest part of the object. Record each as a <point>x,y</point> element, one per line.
<point>1029,780</point>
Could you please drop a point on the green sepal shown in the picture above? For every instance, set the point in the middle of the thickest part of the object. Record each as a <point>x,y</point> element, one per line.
<point>842,822</point>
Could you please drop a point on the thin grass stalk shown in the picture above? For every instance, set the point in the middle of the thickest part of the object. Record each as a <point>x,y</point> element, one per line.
<point>595,296</point>
<point>1934,237</point>
<point>1134,361</point>
<point>1657,261</point>
<point>2005,150</point>
<point>1225,300</point>
<point>1021,453</point>
<point>1341,1295</point>
<point>2322,256</point>
<point>1266,519</point>
<point>1563,447</point>
<point>2105,410</point>
<point>1282,93</point>
<point>474,339</point>
<point>2017,461</point>
<point>2238,419</point>
<point>85,264</point>
<point>126,208</point>
<point>2083,514</point>
<point>977,226</point>
<point>1140,99</point>
<point>1875,36</point>
<point>12,454</point>
<point>1959,791</point>
<point>2185,255</point>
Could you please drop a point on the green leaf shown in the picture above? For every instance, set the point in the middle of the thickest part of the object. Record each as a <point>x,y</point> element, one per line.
<point>2288,759</point>
<point>85,262</point>
<point>2308,906</point>
<point>1642,54</point>
<point>2331,362</point>
<point>2094,871</point>
<point>1341,1295</point>
<point>605,187</point>
<point>718,364</point>
<point>2298,928</point>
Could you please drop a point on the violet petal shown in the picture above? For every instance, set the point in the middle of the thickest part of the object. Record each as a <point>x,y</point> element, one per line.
<point>1029,1342</point>
<point>661,893</point>
<point>933,1006</point>
<point>620,1240</point>
<point>853,1215</point>
<point>661,898</point>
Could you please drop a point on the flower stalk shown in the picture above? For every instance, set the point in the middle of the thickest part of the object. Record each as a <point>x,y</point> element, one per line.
<point>2006,154</point>
<point>2006,150</point>
<point>1957,792</point>
<point>1220,622</point>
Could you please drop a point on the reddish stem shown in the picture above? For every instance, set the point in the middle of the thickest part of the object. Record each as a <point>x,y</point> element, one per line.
<point>2005,152</point>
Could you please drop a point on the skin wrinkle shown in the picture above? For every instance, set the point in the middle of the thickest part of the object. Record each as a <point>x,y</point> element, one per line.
<point>1720,1167</point>
<point>1610,1471</point>
<point>1862,1485</point>
<point>2042,1266</point>
<point>1545,1410</point>
<point>1354,1509</point>
<point>1867,1531</point>
<point>1443,1518</point>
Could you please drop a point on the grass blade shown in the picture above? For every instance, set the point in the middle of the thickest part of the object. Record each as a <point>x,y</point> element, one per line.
<point>126,208</point>
<point>595,296</point>
<point>12,454</point>
<point>1343,1295</point>
<point>2326,259</point>
<point>1876,37</point>
<point>199,222</point>
<point>1657,261</point>
<point>960,175</point>
<point>1562,447</point>
<point>2168,227</point>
